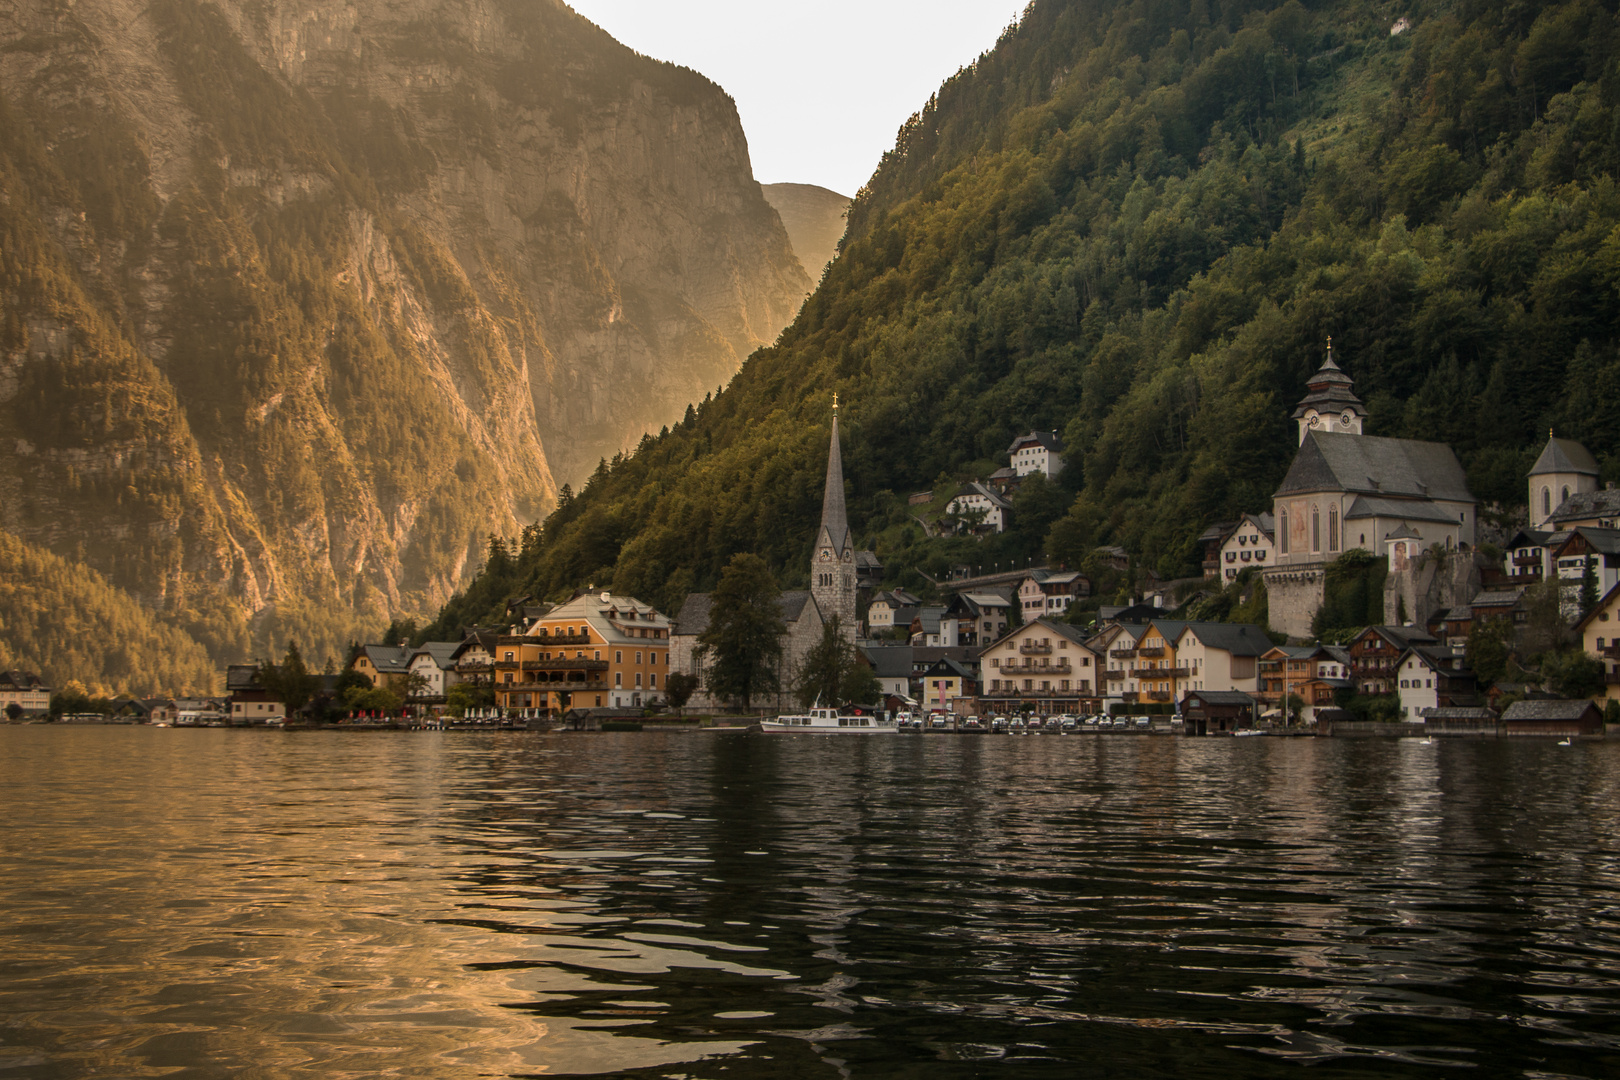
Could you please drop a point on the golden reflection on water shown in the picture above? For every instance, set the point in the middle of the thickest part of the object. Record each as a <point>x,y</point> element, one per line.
<point>243,904</point>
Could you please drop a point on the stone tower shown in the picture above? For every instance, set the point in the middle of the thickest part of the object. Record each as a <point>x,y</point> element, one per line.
<point>1564,468</point>
<point>832,563</point>
<point>1329,404</point>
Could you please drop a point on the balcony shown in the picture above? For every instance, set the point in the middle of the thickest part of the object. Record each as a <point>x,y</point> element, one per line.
<point>1059,668</point>
<point>557,686</point>
<point>545,638</point>
<point>1611,678</point>
<point>1150,652</point>
<point>1160,673</point>
<point>1159,695</point>
<point>1123,654</point>
<point>1114,676</point>
<point>1034,648</point>
<point>565,665</point>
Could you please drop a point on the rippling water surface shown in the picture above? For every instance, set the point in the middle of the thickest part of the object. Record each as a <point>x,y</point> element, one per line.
<point>262,904</point>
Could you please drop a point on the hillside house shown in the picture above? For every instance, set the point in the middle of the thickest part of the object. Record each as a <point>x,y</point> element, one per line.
<point>1563,483</point>
<point>979,509</point>
<point>1251,543</point>
<point>1038,452</point>
<point>1599,634</point>
<point>1048,593</point>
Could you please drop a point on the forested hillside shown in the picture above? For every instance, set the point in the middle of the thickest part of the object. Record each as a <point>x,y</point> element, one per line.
<point>1138,223</point>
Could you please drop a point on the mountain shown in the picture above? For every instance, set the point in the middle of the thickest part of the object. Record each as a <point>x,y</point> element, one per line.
<point>301,302</point>
<point>1138,225</point>
<point>814,219</point>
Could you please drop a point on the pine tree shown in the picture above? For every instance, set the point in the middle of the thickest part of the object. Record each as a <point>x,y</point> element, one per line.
<point>744,638</point>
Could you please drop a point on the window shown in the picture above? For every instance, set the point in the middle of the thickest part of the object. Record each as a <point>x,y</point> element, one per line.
<point>1333,528</point>
<point>618,656</point>
<point>618,679</point>
<point>638,657</point>
<point>509,654</point>
<point>1316,529</point>
<point>638,680</point>
<point>1546,502</point>
<point>1282,532</point>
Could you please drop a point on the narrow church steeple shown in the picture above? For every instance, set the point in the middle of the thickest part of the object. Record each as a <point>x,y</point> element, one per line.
<point>1329,405</point>
<point>832,563</point>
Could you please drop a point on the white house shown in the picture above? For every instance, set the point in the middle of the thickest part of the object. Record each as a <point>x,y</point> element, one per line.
<point>880,613</point>
<point>1432,677</point>
<point>1038,452</point>
<point>989,510</point>
<point>1048,593</point>
<point>435,663</point>
<point>1252,542</point>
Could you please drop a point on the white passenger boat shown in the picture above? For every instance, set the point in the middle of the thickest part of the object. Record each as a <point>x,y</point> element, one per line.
<point>828,722</point>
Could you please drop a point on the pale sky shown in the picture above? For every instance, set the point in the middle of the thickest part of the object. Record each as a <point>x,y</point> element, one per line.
<point>822,86</point>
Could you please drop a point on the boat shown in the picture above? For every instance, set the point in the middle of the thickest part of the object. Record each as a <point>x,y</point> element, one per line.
<point>829,722</point>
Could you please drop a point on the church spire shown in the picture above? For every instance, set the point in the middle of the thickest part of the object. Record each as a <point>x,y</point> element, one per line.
<point>1330,405</point>
<point>834,520</point>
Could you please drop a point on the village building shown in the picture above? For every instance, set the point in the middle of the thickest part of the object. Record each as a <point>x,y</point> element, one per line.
<point>596,651</point>
<point>949,686</point>
<point>891,665</point>
<point>1564,470</point>
<point>1210,541</point>
<point>1586,548</point>
<point>474,658</point>
<point>385,665</point>
<point>1599,634</point>
<point>1527,558</point>
<point>927,626</point>
<point>1375,655</point>
<point>1551,719</point>
<point>884,608</point>
<point>433,663</point>
<point>1162,661</point>
<point>1252,542</point>
<point>973,618</point>
<point>1048,593</point>
<point>25,690</point>
<point>247,701</point>
<point>1348,490</point>
<point>1313,673</point>
<point>1434,677</point>
<point>1043,667</point>
<point>979,509</point>
<point>1038,452</point>
<point>1217,712</point>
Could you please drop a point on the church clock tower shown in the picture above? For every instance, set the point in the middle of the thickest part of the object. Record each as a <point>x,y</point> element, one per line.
<point>832,563</point>
<point>1329,404</point>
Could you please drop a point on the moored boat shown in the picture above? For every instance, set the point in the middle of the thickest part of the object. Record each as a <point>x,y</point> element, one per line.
<point>829,722</point>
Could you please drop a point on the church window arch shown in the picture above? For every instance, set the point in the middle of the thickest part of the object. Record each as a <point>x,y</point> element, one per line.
<point>1282,532</point>
<point>1565,496</point>
<point>1333,528</point>
<point>1546,501</point>
<point>1316,528</point>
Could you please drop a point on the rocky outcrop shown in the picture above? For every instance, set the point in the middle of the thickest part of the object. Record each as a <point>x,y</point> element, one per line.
<point>303,301</point>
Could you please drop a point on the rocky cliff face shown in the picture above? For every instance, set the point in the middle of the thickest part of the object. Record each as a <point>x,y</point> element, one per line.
<point>814,218</point>
<point>302,301</point>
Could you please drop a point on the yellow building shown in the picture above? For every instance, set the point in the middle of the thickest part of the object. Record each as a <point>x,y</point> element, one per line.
<point>596,651</point>
<point>1600,637</point>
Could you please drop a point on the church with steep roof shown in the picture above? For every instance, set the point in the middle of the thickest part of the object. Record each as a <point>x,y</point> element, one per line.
<point>1348,490</point>
<point>834,583</point>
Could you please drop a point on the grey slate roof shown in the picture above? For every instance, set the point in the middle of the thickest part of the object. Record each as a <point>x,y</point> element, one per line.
<point>443,652</point>
<point>1504,598</point>
<point>1329,392</point>
<point>1379,467</point>
<point>394,659</point>
<point>1239,639</point>
<point>1564,456</point>
<point>1548,709</point>
<point>694,615</point>
<point>792,603</point>
<point>1457,713</point>
<point>1221,697</point>
<point>834,520</point>
<point>1048,439</point>
<point>1602,541</point>
<point>976,488</point>
<point>1401,532</point>
<point>1589,504</point>
<point>889,661</point>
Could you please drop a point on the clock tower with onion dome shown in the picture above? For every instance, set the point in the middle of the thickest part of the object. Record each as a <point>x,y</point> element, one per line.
<point>832,562</point>
<point>1329,405</point>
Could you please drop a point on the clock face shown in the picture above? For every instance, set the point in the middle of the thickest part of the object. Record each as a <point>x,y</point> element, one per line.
<point>1347,418</point>
<point>1316,421</point>
<point>826,556</point>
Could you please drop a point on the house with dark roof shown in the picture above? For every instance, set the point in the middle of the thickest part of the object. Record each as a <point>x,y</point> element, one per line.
<point>1599,635</point>
<point>974,618</point>
<point>1565,470</point>
<point>1217,712</point>
<point>978,508</point>
<point>1044,667</point>
<point>25,690</point>
<point>891,664</point>
<point>1348,490</point>
<point>1313,673</point>
<point>1434,677</point>
<point>1552,719</point>
<point>1587,547</point>
<point>1375,655</point>
<point>1251,543</point>
<point>949,686</point>
<point>1038,452</point>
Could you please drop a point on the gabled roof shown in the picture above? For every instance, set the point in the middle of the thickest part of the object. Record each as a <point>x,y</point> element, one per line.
<point>889,661</point>
<point>1437,658</point>
<point>950,668</point>
<point>1455,712</point>
<point>1378,467</point>
<point>1602,541</point>
<point>1499,598</point>
<point>1529,538</point>
<point>1239,639</point>
<point>1589,504</point>
<point>694,616</point>
<point>393,659</point>
<point>792,603</point>
<point>1564,456</point>
<point>1048,439</point>
<point>1403,531</point>
<point>1221,697</point>
<point>443,653</point>
<point>973,488</point>
<point>242,677</point>
<point>1402,637</point>
<point>1405,509</point>
<point>1601,605</point>
<point>1548,709</point>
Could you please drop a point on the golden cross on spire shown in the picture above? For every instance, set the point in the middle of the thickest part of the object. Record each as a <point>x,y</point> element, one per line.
<point>835,401</point>
<point>1330,346</point>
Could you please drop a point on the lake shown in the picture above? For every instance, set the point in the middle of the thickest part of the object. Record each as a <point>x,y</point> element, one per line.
<point>219,903</point>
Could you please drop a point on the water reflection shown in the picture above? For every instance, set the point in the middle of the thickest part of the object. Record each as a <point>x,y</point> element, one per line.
<point>222,903</point>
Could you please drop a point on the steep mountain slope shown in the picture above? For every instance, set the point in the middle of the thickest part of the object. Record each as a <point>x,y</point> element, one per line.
<point>300,302</point>
<point>1137,224</point>
<point>814,219</point>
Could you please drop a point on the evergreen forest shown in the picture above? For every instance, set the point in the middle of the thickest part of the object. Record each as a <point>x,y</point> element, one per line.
<point>1137,223</point>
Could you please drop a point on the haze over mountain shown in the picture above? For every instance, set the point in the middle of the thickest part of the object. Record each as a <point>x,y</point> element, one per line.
<point>301,302</point>
<point>814,219</point>
<point>1137,224</point>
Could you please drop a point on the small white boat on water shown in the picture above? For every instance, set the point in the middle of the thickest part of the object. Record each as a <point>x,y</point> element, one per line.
<point>829,722</point>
